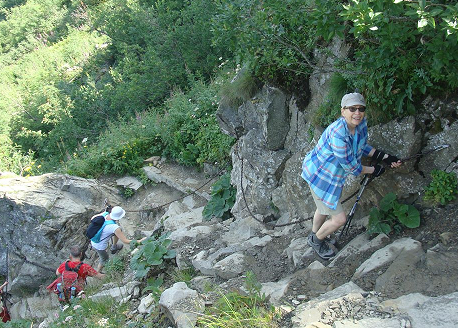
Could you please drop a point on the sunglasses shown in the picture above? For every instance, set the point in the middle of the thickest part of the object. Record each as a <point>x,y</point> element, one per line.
<point>353,109</point>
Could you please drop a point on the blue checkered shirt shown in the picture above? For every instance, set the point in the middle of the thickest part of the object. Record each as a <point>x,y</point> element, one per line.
<point>335,156</point>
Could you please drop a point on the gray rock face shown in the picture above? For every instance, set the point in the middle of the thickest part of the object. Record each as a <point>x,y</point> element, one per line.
<point>231,266</point>
<point>426,312</point>
<point>41,217</point>
<point>401,249</point>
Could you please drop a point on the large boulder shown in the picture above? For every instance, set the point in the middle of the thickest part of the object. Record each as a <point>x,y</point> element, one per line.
<point>181,305</point>
<point>41,217</point>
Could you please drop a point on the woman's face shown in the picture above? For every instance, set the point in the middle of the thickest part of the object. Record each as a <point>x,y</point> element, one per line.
<point>353,119</point>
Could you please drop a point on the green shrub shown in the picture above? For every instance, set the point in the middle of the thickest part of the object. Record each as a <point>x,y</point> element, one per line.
<point>127,192</point>
<point>234,310</point>
<point>185,130</point>
<point>234,91</point>
<point>154,286</point>
<point>392,215</point>
<point>402,51</point>
<point>189,128</point>
<point>121,149</point>
<point>222,199</point>
<point>443,187</point>
<point>151,254</point>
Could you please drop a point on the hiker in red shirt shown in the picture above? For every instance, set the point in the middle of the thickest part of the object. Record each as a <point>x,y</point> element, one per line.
<point>85,269</point>
<point>72,266</point>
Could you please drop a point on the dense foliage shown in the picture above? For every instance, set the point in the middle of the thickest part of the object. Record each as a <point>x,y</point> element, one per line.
<point>399,50</point>
<point>71,69</point>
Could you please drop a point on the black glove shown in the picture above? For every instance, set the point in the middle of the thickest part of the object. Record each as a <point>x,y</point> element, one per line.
<point>378,157</point>
<point>390,160</point>
<point>379,170</point>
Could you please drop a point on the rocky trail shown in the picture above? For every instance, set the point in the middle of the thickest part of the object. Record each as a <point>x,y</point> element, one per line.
<point>369,273</point>
<point>416,264</point>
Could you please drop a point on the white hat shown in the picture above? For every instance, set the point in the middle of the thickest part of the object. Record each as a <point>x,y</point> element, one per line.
<point>117,213</point>
<point>352,99</point>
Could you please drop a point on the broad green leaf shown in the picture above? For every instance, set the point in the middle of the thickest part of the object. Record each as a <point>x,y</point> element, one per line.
<point>387,202</point>
<point>170,254</point>
<point>142,272</point>
<point>422,4</point>
<point>166,243</point>
<point>386,229</point>
<point>412,219</point>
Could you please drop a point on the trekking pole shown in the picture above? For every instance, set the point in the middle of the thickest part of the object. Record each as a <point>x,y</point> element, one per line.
<point>367,178</point>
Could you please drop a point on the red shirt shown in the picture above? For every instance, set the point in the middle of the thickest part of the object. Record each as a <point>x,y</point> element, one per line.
<point>83,272</point>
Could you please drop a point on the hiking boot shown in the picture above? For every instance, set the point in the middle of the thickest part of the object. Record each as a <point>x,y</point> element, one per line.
<point>116,248</point>
<point>321,247</point>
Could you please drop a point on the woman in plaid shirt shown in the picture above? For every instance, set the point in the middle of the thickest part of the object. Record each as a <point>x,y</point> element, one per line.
<point>337,154</point>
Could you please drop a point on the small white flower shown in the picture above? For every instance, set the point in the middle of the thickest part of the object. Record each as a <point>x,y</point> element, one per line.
<point>102,322</point>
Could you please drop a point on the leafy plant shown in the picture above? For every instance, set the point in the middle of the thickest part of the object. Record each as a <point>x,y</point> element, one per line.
<point>239,89</point>
<point>151,254</point>
<point>154,286</point>
<point>127,192</point>
<point>253,285</point>
<point>392,215</point>
<point>222,200</point>
<point>443,187</point>
<point>402,51</point>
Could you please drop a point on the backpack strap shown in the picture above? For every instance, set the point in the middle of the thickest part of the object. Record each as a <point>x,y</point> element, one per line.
<point>96,239</point>
<point>75,269</point>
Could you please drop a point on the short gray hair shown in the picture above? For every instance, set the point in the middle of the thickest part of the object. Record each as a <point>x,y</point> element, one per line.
<point>75,251</point>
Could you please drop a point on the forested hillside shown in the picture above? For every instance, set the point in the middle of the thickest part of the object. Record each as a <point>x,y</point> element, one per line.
<point>94,87</point>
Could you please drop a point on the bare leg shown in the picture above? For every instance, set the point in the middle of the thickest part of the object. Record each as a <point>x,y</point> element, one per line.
<point>318,220</point>
<point>331,225</point>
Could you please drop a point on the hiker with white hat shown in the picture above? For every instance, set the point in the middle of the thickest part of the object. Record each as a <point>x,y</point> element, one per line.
<point>111,228</point>
<point>336,155</point>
